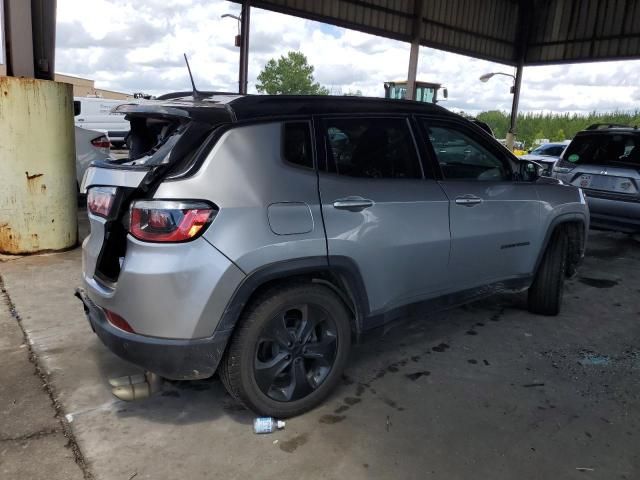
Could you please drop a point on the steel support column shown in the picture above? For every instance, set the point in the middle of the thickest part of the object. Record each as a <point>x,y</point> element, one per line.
<point>415,51</point>
<point>18,38</point>
<point>413,70</point>
<point>244,47</point>
<point>511,134</point>
<point>524,20</point>
<point>30,32</point>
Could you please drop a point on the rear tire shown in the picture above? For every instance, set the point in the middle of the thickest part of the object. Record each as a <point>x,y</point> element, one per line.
<point>288,351</point>
<point>545,294</point>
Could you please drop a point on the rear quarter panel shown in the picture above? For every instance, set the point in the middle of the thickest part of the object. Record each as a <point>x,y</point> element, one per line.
<point>245,175</point>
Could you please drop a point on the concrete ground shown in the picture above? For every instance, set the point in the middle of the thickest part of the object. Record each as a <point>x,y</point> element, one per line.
<point>30,427</point>
<point>484,391</point>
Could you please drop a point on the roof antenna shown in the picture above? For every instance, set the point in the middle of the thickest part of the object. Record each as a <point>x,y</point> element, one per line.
<point>196,94</point>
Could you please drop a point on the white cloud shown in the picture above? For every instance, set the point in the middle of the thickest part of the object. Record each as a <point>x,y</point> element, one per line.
<point>138,46</point>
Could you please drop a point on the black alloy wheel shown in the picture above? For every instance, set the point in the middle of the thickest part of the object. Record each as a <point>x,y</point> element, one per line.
<point>289,349</point>
<point>295,353</point>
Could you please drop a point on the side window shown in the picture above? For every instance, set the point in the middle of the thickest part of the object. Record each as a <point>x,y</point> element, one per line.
<point>296,144</point>
<point>462,158</point>
<point>371,148</point>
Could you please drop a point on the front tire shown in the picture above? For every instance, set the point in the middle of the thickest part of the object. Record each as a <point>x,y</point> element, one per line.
<point>288,351</point>
<point>545,294</point>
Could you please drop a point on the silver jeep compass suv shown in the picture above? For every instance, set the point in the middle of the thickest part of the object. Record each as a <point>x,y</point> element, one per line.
<point>260,236</point>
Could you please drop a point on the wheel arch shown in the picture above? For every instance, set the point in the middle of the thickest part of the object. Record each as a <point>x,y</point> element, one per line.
<point>340,274</point>
<point>575,224</point>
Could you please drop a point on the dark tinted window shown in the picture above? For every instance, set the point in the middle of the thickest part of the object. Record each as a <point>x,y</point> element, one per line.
<point>604,149</point>
<point>549,150</point>
<point>296,144</point>
<point>371,148</point>
<point>462,158</point>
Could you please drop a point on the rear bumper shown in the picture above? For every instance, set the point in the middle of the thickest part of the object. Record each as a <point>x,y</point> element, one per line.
<point>613,213</point>
<point>169,358</point>
<point>616,224</point>
<point>164,290</point>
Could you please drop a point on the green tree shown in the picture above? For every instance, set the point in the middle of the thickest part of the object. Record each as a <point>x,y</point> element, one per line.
<point>559,136</point>
<point>290,75</point>
<point>555,126</point>
<point>538,136</point>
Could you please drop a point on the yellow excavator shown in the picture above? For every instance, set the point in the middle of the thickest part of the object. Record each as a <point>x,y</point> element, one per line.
<point>426,92</point>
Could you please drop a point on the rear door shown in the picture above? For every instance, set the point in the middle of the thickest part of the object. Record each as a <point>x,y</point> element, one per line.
<point>495,221</point>
<point>380,212</point>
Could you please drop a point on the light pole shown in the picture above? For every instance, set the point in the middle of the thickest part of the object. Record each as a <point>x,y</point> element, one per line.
<point>235,17</point>
<point>242,41</point>
<point>514,106</point>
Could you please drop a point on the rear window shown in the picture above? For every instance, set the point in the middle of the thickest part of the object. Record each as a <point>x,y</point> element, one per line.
<point>151,141</point>
<point>605,149</point>
<point>154,141</point>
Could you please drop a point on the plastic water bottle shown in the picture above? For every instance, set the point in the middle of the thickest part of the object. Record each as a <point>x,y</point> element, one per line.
<point>267,425</point>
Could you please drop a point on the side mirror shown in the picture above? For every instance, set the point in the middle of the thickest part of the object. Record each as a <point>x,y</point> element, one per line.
<point>77,108</point>
<point>445,93</point>
<point>530,171</point>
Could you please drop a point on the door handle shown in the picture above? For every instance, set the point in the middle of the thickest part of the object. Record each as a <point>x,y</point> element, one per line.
<point>468,200</point>
<point>353,204</point>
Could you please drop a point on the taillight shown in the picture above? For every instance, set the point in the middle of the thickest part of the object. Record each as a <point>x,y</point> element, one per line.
<point>100,200</point>
<point>117,321</point>
<point>169,221</point>
<point>101,142</point>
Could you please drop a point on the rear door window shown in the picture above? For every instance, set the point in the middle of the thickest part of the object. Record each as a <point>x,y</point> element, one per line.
<point>371,148</point>
<point>604,149</point>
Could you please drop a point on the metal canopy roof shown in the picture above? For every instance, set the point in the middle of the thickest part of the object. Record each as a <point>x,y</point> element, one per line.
<point>505,31</point>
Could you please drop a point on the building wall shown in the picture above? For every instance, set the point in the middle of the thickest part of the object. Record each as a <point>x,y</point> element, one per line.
<point>82,87</point>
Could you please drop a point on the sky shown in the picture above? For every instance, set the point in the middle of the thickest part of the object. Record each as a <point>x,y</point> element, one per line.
<point>134,46</point>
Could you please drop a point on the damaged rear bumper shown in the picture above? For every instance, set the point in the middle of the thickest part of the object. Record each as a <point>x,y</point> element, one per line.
<point>169,358</point>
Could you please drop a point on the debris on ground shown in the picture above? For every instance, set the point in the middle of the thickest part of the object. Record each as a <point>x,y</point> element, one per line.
<point>267,425</point>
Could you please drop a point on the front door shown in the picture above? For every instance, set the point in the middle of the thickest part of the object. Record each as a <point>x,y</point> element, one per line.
<point>495,220</point>
<point>380,211</point>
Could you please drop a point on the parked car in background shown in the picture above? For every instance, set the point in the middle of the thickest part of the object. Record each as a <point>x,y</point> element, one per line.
<point>604,160</point>
<point>546,155</point>
<point>91,145</point>
<point>95,113</point>
<point>260,236</point>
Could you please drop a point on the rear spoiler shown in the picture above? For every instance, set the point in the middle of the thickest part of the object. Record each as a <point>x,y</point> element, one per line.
<point>150,110</point>
<point>211,111</point>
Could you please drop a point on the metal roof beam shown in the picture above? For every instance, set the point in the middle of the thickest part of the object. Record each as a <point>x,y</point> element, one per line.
<point>557,31</point>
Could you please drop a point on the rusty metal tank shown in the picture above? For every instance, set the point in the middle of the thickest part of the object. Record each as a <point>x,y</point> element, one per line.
<point>38,193</point>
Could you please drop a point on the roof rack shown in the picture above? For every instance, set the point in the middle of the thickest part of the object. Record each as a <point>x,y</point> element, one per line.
<point>601,126</point>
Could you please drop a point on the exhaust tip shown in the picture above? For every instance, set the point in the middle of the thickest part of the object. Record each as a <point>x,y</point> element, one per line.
<point>135,387</point>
